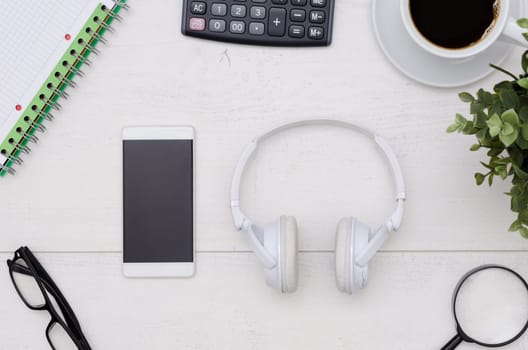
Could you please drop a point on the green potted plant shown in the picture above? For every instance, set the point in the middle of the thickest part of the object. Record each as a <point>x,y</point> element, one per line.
<point>499,121</point>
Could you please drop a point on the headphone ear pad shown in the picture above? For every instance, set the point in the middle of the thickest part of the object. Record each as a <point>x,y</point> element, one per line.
<point>342,253</point>
<point>288,254</point>
<point>352,237</point>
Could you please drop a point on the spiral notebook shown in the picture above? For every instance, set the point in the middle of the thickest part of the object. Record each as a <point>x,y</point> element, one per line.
<point>43,45</point>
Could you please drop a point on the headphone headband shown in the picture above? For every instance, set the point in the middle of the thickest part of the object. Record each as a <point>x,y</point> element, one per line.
<point>242,222</point>
<point>316,122</point>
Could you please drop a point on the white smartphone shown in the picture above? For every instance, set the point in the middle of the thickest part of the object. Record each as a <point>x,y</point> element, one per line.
<point>158,201</point>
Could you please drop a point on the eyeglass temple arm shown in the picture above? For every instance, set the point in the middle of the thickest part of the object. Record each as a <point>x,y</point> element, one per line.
<point>45,279</point>
<point>52,288</point>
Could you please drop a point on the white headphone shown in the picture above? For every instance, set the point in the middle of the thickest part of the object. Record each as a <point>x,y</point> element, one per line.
<point>276,244</point>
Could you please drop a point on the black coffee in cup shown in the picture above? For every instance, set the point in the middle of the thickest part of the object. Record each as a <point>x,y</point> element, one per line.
<point>454,24</point>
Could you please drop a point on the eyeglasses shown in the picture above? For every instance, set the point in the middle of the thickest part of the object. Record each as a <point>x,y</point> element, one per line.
<point>38,291</point>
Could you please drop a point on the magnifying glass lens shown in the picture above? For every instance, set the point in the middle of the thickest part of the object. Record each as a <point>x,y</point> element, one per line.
<point>492,306</point>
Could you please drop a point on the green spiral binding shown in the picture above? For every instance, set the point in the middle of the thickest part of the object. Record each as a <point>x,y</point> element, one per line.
<point>60,77</point>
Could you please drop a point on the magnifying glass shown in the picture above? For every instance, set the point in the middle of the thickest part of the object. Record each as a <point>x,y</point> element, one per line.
<point>490,305</point>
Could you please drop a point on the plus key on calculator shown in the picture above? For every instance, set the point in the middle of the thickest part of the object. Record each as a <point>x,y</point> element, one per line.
<point>260,22</point>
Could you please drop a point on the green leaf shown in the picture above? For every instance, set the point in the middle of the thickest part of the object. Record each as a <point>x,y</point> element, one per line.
<point>508,140</point>
<point>486,166</point>
<point>523,113</point>
<point>466,97</point>
<point>452,128</point>
<point>503,161</point>
<point>485,97</point>
<point>496,107</point>
<point>515,191</point>
<point>509,98</point>
<point>523,215</point>
<point>523,83</point>
<point>479,178</point>
<point>515,204</point>
<point>507,129</point>
<point>511,117</point>
<point>503,85</point>
<point>460,120</point>
<point>494,125</point>
<point>515,226</point>
<point>479,120</point>
<point>501,171</point>
<point>517,158</point>
<point>475,107</point>
<point>475,147</point>
<point>508,135</point>
<point>524,61</point>
<point>490,180</point>
<point>494,152</point>
<point>520,173</point>
<point>522,143</point>
<point>524,131</point>
<point>523,22</point>
<point>481,135</point>
<point>524,232</point>
<point>469,129</point>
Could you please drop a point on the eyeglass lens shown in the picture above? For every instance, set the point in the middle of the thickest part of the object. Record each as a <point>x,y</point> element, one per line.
<point>58,337</point>
<point>30,292</point>
<point>26,284</point>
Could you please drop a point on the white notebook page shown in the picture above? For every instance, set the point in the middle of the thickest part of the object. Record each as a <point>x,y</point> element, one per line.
<point>32,40</point>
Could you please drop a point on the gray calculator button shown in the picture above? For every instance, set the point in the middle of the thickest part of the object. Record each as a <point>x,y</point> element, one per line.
<point>316,33</point>
<point>256,28</point>
<point>238,11</point>
<point>296,31</point>
<point>277,21</point>
<point>318,3</point>
<point>297,15</point>
<point>258,12</point>
<point>259,1</point>
<point>317,16</point>
<point>237,27</point>
<point>217,25</point>
<point>198,7</point>
<point>219,9</point>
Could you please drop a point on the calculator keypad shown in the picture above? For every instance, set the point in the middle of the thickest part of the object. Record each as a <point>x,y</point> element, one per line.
<point>261,22</point>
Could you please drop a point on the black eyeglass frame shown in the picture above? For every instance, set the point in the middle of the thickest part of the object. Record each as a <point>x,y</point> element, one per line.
<point>70,323</point>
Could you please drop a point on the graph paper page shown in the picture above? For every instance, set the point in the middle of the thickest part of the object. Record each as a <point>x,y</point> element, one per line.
<point>32,40</point>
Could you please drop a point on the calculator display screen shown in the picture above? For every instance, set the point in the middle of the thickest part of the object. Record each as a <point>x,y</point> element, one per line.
<point>158,201</point>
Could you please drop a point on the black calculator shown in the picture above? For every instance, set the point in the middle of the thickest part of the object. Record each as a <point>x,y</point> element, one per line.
<point>260,22</point>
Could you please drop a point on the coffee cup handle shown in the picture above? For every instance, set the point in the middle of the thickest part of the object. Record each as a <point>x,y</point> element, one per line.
<point>513,33</point>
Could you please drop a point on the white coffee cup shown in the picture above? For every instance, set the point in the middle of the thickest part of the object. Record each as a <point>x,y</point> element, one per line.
<point>504,29</point>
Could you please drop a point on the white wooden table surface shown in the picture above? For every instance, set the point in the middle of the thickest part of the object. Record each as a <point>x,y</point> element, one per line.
<point>65,203</point>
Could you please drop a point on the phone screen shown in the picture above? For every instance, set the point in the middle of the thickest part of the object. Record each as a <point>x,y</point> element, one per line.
<point>158,201</point>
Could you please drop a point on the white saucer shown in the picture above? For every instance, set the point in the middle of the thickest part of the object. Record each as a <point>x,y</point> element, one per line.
<point>420,65</point>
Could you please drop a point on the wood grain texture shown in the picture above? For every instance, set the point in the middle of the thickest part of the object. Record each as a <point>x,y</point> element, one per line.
<point>227,305</point>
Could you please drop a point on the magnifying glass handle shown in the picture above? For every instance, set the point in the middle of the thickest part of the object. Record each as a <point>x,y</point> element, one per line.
<point>453,343</point>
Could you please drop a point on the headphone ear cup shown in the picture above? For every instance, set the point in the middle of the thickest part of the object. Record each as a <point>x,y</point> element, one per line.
<point>342,253</point>
<point>288,254</point>
<point>352,237</point>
